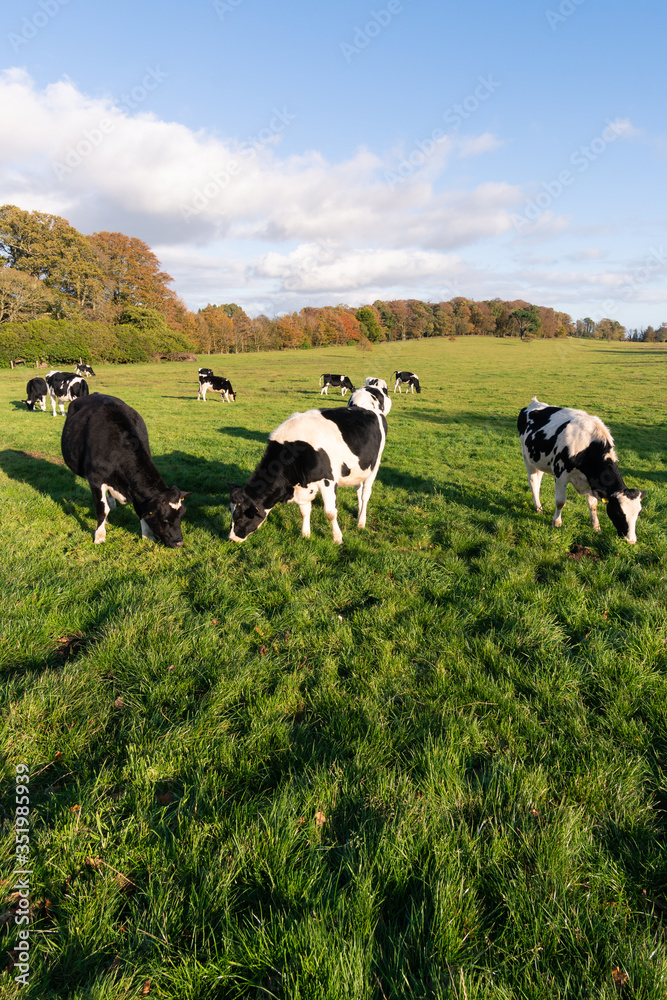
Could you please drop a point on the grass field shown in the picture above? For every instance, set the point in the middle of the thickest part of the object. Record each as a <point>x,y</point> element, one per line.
<point>428,763</point>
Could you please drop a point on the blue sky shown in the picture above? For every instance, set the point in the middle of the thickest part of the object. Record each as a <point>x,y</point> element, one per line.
<point>281,155</point>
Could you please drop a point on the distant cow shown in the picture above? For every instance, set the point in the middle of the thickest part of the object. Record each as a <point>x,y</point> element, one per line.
<point>378,383</point>
<point>577,448</point>
<point>406,378</point>
<point>311,453</point>
<point>64,387</point>
<point>216,383</point>
<point>205,371</point>
<point>36,391</point>
<point>341,382</point>
<point>84,370</point>
<point>106,442</point>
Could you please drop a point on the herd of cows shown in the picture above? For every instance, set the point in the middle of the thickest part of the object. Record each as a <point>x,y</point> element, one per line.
<point>106,442</point>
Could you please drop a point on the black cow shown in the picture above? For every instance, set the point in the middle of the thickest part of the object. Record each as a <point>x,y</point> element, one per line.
<point>216,383</point>
<point>84,370</point>
<point>311,453</point>
<point>341,382</point>
<point>577,448</point>
<point>106,442</point>
<point>37,391</point>
<point>407,378</point>
<point>64,387</point>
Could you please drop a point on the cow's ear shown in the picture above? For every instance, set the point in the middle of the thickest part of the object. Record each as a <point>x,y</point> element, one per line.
<point>642,494</point>
<point>183,495</point>
<point>597,495</point>
<point>236,494</point>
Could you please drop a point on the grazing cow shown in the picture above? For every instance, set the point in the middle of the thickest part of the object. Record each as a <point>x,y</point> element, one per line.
<point>577,448</point>
<point>64,387</point>
<point>341,382</point>
<point>37,391</point>
<point>84,370</point>
<point>378,383</point>
<point>311,453</point>
<point>216,383</point>
<point>407,378</point>
<point>106,442</point>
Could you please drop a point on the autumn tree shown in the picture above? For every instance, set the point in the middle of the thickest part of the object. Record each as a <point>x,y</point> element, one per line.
<point>47,247</point>
<point>132,271</point>
<point>22,297</point>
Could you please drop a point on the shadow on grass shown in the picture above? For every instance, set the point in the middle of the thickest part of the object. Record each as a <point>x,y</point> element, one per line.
<point>244,432</point>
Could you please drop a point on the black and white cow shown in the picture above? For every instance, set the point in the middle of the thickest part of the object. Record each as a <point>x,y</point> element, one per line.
<point>341,382</point>
<point>84,370</point>
<point>64,387</point>
<point>577,448</point>
<point>216,383</point>
<point>106,442</point>
<point>378,383</point>
<point>311,453</point>
<point>205,371</point>
<point>37,391</point>
<point>407,378</point>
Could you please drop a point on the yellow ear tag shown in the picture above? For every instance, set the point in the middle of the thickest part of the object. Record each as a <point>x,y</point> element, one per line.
<point>603,499</point>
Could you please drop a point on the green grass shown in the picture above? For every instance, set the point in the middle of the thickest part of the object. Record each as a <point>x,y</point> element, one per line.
<point>428,763</point>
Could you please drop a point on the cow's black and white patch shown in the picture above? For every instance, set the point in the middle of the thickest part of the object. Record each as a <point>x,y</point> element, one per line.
<point>106,442</point>
<point>311,453</point>
<point>216,383</point>
<point>36,392</point>
<point>85,370</point>
<point>406,378</point>
<point>64,387</point>
<point>577,448</point>
<point>341,382</point>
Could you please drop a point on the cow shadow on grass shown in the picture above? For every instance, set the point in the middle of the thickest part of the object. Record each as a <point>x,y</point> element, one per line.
<point>244,432</point>
<point>48,476</point>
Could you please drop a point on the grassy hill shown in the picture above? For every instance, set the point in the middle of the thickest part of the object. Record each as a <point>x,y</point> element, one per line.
<point>428,763</point>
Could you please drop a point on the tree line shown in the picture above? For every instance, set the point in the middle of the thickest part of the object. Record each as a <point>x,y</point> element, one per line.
<point>104,296</point>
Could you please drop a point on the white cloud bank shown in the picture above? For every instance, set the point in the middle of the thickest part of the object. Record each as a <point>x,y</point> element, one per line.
<point>233,216</point>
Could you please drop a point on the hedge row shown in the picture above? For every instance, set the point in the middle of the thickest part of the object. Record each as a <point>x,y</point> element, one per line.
<point>64,342</point>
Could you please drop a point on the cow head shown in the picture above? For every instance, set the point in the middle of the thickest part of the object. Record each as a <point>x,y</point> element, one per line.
<point>371,398</point>
<point>165,516</point>
<point>623,509</point>
<point>247,514</point>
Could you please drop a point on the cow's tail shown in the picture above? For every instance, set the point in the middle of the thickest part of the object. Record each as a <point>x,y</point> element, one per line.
<point>320,382</point>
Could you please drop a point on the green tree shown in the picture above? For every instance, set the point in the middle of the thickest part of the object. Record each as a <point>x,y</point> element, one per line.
<point>369,320</point>
<point>527,321</point>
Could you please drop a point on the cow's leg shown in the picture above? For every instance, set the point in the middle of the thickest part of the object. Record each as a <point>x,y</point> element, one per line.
<point>305,509</point>
<point>593,511</point>
<point>146,532</point>
<point>203,392</point>
<point>363,496</point>
<point>53,403</point>
<point>43,404</point>
<point>329,501</point>
<point>535,482</point>
<point>561,497</point>
<point>61,404</point>
<point>325,389</point>
<point>102,509</point>
<point>397,384</point>
<point>199,393</point>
